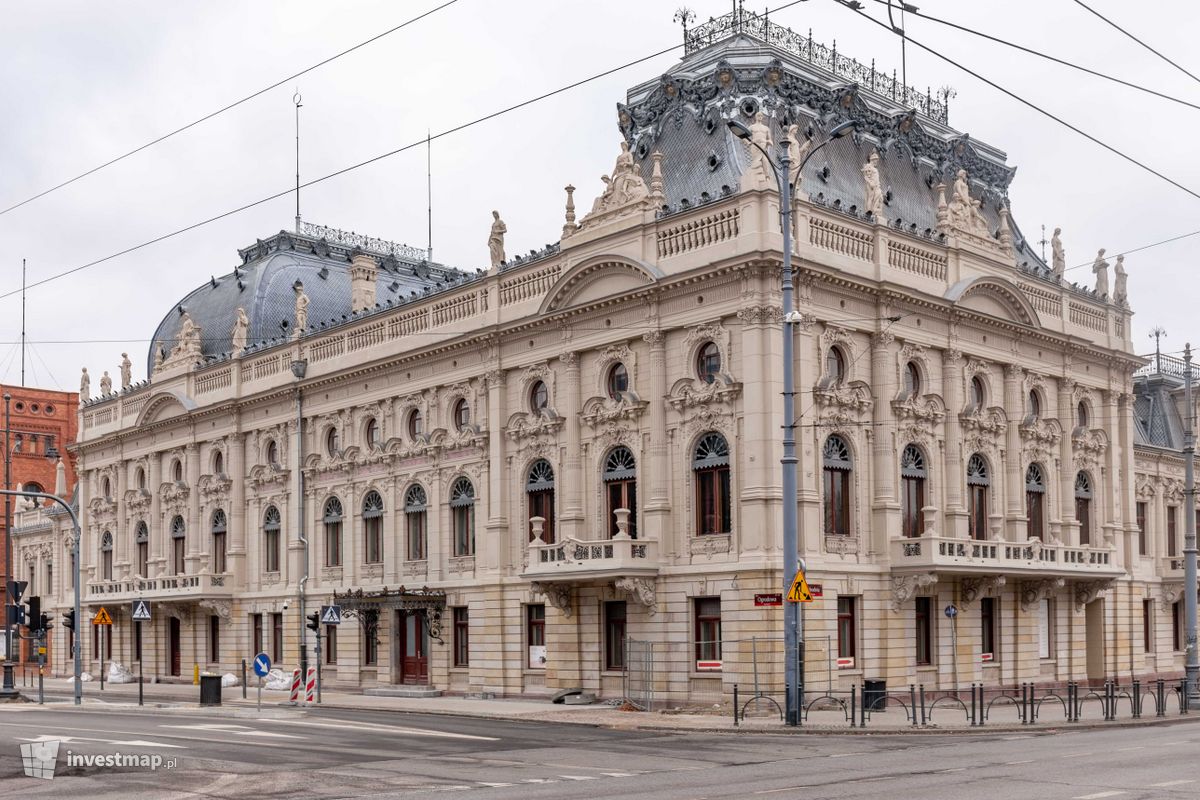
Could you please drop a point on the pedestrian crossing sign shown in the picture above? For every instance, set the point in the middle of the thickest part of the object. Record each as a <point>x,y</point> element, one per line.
<point>331,615</point>
<point>141,611</point>
<point>799,593</point>
<point>102,617</point>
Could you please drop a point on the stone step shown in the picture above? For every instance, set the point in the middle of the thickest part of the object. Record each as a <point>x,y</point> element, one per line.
<point>403,691</point>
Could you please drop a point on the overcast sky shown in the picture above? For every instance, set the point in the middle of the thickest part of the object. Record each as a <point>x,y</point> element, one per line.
<point>82,82</point>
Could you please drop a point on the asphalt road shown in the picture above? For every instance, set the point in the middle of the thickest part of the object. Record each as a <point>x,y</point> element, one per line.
<point>355,754</point>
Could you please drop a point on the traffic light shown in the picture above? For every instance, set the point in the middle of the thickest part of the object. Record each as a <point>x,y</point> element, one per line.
<point>33,611</point>
<point>69,619</point>
<point>14,615</point>
<point>314,621</point>
<point>44,623</point>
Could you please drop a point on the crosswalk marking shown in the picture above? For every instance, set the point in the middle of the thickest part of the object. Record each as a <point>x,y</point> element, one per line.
<point>578,777</point>
<point>1172,783</point>
<point>1099,795</point>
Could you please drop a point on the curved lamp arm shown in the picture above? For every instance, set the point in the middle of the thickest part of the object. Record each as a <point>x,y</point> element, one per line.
<point>838,131</point>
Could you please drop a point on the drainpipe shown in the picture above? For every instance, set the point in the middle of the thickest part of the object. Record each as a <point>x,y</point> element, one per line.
<point>299,368</point>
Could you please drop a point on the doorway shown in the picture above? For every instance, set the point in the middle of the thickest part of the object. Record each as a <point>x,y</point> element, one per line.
<point>173,644</point>
<point>1095,633</point>
<point>414,647</point>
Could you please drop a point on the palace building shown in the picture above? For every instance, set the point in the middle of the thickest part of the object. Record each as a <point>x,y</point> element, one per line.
<point>509,478</point>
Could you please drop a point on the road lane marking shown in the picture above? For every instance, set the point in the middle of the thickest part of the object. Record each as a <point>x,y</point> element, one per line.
<point>240,730</point>
<point>1014,763</point>
<point>367,726</point>
<point>578,777</point>
<point>842,755</point>
<point>619,774</point>
<point>1127,749</point>
<point>1099,795</point>
<point>1172,783</point>
<point>127,742</point>
<point>495,785</point>
<point>952,769</point>
<point>1076,755</point>
<point>785,789</point>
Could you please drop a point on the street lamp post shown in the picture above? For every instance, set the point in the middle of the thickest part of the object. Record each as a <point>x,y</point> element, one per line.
<point>1192,661</point>
<point>9,687</point>
<point>793,632</point>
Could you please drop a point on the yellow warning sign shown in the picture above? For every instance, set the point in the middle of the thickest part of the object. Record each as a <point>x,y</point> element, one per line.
<point>102,617</point>
<point>799,593</point>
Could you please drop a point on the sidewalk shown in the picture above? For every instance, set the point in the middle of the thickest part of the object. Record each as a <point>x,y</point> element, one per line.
<point>183,698</point>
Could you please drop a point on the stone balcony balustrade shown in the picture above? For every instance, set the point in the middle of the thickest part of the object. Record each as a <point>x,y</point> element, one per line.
<point>1030,558</point>
<point>165,587</point>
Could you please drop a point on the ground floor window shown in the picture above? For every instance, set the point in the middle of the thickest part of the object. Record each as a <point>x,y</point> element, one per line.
<point>988,608</point>
<point>1147,626</point>
<point>1177,625</point>
<point>370,648</point>
<point>708,633</point>
<point>214,639</point>
<point>924,614</point>
<point>1046,633</point>
<point>614,635</point>
<point>277,638</point>
<point>847,628</point>
<point>462,637</point>
<point>535,635</point>
<point>331,644</point>
<point>256,633</point>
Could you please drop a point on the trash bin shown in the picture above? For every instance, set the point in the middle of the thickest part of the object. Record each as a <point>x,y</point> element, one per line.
<point>210,690</point>
<point>874,695</point>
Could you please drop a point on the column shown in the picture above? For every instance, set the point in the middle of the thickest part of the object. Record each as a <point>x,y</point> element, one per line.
<point>1125,482</point>
<point>657,510</point>
<point>155,522</point>
<point>123,536</point>
<point>572,493</point>
<point>1014,406</point>
<point>497,521</point>
<point>196,530</point>
<point>955,474</point>
<point>760,492</point>
<point>1107,486</point>
<point>235,460</point>
<point>885,509</point>
<point>1066,466</point>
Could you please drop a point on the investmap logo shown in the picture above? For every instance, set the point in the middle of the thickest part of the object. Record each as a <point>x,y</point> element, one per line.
<point>40,758</point>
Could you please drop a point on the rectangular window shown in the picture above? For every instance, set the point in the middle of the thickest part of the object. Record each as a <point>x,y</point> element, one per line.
<point>977,511</point>
<point>837,502</point>
<point>712,496</point>
<point>614,635</point>
<point>462,637</point>
<point>277,638</point>
<point>256,634</point>
<point>272,554</point>
<point>1172,526</point>
<point>49,577</point>
<point>541,504</point>
<point>333,544</point>
<point>1046,646</point>
<point>847,628</point>
<point>143,562</point>
<point>373,531</point>
<point>708,633</point>
<point>1083,515</point>
<point>177,559</point>
<point>214,639</point>
<point>913,494</point>
<point>1141,524</point>
<point>331,644</point>
<point>924,630</point>
<point>1033,512</point>
<point>464,530</point>
<point>1147,626</point>
<point>987,617</point>
<point>1177,625</point>
<point>622,494</point>
<point>535,635</point>
<point>415,521</point>
<point>371,646</point>
<point>218,558</point>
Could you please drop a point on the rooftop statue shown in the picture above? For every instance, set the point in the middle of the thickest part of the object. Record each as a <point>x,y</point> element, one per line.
<point>496,240</point>
<point>799,146</point>
<point>158,356</point>
<point>126,371</point>
<point>1058,256</point>
<point>760,173</point>
<point>1100,267</point>
<point>301,309</point>
<point>1120,292</point>
<point>874,189</point>
<point>623,189</point>
<point>965,213</point>
<point>105,384</point>
<point>188,343</point>
<point>85,385</point>
<point>240,335</point>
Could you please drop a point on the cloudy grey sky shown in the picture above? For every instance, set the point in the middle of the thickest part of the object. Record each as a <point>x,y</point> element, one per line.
<point>81,82</point>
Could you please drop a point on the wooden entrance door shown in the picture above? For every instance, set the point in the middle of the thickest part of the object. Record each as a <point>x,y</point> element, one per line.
<point>173,644</point>
<point>414,648</point>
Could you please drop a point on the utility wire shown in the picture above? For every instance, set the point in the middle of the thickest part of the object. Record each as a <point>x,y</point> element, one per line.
<point>1023,101</point>
<point>223,109</point>
<point>1048,57</point>
<point>1139,249</point>
<point>1088,8</point>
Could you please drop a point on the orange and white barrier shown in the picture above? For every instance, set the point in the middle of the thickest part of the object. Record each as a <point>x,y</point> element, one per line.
<point>310,685</point>
<point>295,686</point>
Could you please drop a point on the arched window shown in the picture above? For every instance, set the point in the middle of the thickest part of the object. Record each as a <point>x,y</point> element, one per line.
<point>462,509</point>
<point>272,523</point>
<point>462,414</point>
<point>837,469</point>
<point>333,532</point>
<point>140,478</point>
<point>218,463</point>
<point>272,453</point>
<point>1035,405</point>
<point>332,442</point>
<point>105,488</point>
<point>219,527</point>
<point>978,484</point>
<point>1083,507</point>
<point>177,471</point>
<point>34,486</point>
<point>539,397</point>
<point>617,381</point>
<point>415,509</point>
<point>835,366</point>
<point>978,393</point>
<point>708,362</point>
<point>178,545</point>
<point>372,514</point>
<point>710,466</point>
<point>912,480</point>
<point>372,431</point>
<point>539,491</point>
<point>141,538</point>
<point>1035,502</point>
<point>1081,415</point>
<point>416,424</point>
<point>620,488</point>
<point>912,379</point>
<point>106,556</point>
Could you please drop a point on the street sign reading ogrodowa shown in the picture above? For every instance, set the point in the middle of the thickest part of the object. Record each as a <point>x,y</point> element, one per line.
<point>262,665</point>
<point>331,615</point>
<point>102,617</point>
<point>141,611</point>
<point>799,593</point>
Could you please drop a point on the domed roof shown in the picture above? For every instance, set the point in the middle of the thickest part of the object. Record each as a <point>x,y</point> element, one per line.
<point>262,285</point>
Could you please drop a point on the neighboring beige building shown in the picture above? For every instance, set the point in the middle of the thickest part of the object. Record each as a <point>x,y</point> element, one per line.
<point>967,430</point>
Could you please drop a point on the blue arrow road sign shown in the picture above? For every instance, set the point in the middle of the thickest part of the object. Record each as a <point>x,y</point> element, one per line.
<point>262,665</point>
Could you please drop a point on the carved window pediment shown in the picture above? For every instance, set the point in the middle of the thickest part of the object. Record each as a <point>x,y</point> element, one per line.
<point>691,392</point>
<point>599,411</point>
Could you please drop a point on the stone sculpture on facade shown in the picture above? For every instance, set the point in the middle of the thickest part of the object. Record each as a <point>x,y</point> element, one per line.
<point>496,240</point>
<point>965,213</point>
<point>1058,256</point>
<point>240,335</point>
<point>874,188</point>
<point>760,173</point>
<point>301,309</point>
<point>105,384</point>
<point>188,343</point>
<point>1100,268</point>
<point>85,385</point>
<point>158,356</point>
<point>1120,292</point>
<point>569,226</point>
<point>126,371</point>
<point>799,146</point>
<point>625,190</point>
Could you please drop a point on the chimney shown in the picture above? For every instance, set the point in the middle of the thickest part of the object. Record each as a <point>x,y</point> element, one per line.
<point>363,269</point>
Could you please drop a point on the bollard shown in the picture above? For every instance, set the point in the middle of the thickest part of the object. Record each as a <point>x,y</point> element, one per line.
<point>735,705</point>
<point>295,687</point>
<point>923,717</point>
<point>195,674</point>
<point>1137,699</point>
<point>1160,706</point>
<point>310,686</point>
<point>243,679</point>
<point>853,708</point>
<point>912,703</point>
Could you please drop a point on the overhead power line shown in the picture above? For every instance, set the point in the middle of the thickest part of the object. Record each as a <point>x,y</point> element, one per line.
<point>223,109</point>
<point>1047,57</point>
<point>1091,10</point>
<point>856,8</point>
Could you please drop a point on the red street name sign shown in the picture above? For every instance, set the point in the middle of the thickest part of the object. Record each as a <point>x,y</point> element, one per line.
<point>775,599</point>
<point>816,589</point>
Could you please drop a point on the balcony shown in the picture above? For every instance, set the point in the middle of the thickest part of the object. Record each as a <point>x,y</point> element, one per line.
<point>571,559</point>
<point>973,557</point>
<point>1172,567</point>
<point>164,587</point>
